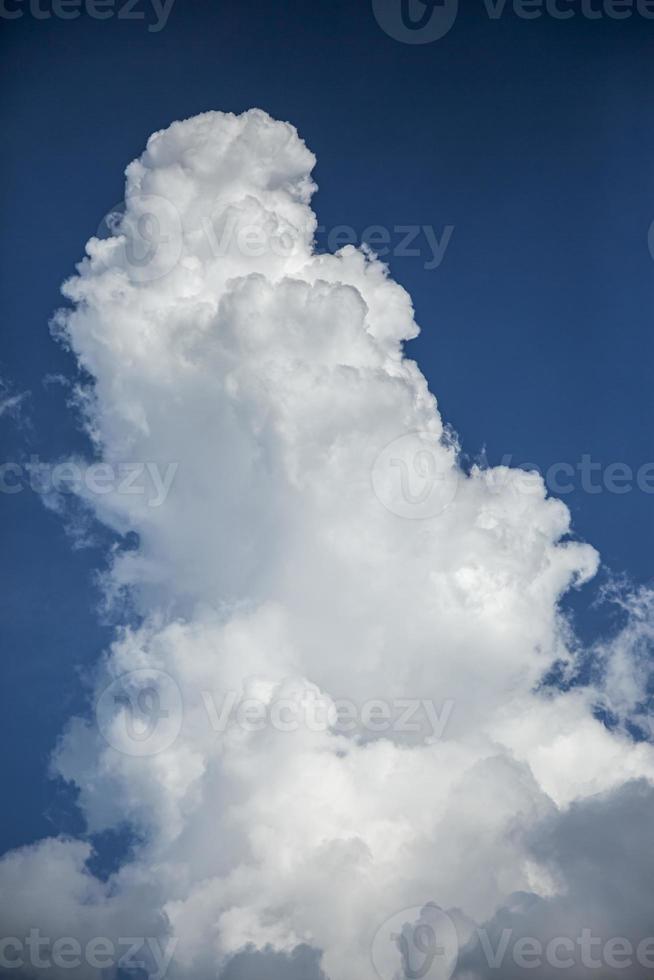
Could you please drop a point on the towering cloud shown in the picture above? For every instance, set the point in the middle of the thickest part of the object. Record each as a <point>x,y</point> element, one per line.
<point>326,704</point>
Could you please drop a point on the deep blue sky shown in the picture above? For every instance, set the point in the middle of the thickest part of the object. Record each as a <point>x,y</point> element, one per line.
<point>535,139</point>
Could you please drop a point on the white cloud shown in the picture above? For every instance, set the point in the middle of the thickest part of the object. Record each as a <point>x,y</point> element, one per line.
<point>10,403</point>
<point>281,566</point>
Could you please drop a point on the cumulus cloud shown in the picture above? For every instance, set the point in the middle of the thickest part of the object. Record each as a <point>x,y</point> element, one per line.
<point>320,552</point>
<point>598,921</point>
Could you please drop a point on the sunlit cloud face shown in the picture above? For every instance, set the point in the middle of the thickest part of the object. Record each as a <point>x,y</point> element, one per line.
<point>327,728</point>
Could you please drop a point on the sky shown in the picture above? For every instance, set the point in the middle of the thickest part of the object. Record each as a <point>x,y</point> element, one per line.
<point>515,154</point>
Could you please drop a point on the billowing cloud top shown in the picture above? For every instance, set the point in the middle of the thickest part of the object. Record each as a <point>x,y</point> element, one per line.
<point>314,547</point>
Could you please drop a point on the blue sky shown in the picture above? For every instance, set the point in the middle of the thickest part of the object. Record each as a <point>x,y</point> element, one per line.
<point>533,139</point>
